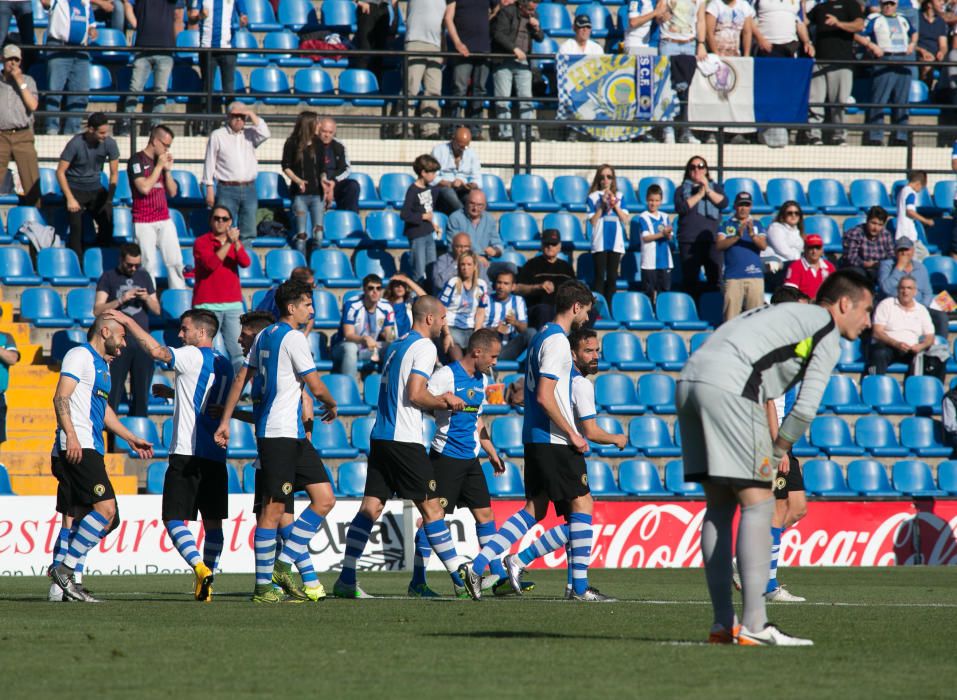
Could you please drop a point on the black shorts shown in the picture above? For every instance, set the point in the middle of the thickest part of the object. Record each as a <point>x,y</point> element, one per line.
<point>81,484</point>
<point>288,464</point>
<point>195,485</point>
<point>459,482</point>
<point>556,471</point>
<point>258,497</point>
<point>792,481</point>
<point>402,469</point>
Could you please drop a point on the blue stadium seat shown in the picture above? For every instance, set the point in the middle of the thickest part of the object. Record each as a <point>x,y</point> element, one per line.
<point>803,448</point>
<point>570,192</point>
<point>913,478</point>
<point>883,394</point>
<point>697,340</point>
<point>330,440</point>
<point>261,16</point>
<point>188,193</point>
<point>343,228</point>
<point>867,193</point>
<point>42,307</point>
<point>601,479</point>
<point>678,312</point>
<point>281,263</point>
<point>569,228</point>
<point>554,20</point>
<point>65,340</point>
<point>841,397</point>
<point>144,428</point>
<point>368,197</point>
<point>79,305</point>
<point>549,47</point>
<point>123,195</point>
<point>507,485</point>
<point>924,393</point>
<point>60,267</point>
<point>357,84</point>
<point>339,16</point>
<point>823,477</point>
<point>667,191</point>
<point>50,192</point>
<point>639,477</point>
<point>370,388</point>
<point>271,86</point>
<point>16,268</point>
<point>232,480</point>
<point>851,359</point>
<point>296,14</point>
<point>253,276</point>
<point>495,192</point>
<point>346,393</point>
<point>786,189</point>
<point>333,269</point>
<point>611,425</point>
<point>315,86</point>
<point>603,318</point>
<point>924,437</point>
<point>944,191</point>
<point>385,228</point>
<point>675,481</point>
<point>947,476</point>
<point>378,261</point>
<point>868,477</point>
<point>271,189</point>
<point>173,302</point>
<point>833,436</point>
<point>188,39</point>
<point>157,406</point>
<point>239,87</point>
<point>156,477</point>
<point>852,221</point>
<point>393,186</point>
<point>626,193</point>
<point>942,270</point>
<point>828,196</point>
<point>657,392</point>
<point>506,435</point>
<point>352,478</point>
<point>634,311</point>
<point>242,441</point>
<point>667,350</point>
<point>734,185</point>
<point>183,80</point>
<point>624,351</point>
<point>17,216</point>
<point>876,435</point>
<point>603,24</point>
<point>326,308</point>
<point>616,394</point>
<point>650,435</point>
<point>531,193</point>
<point>101,85</point>
<point>827,229</point>
<point>361,433</point>
<point>519,230</point>
<point>285,40</point>
<point>244,39</point>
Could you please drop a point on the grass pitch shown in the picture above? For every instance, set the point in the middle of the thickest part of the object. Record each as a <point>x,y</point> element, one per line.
<point>878,633</point>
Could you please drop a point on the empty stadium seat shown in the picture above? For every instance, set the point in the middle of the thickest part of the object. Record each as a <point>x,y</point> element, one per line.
<point>42,307</point>
<point>942,270</point>
<point>657,392</point>
<point>281,263</point>
<point>913,478</point>
<point>823,477</point>
<point>79,305</point>
<point>386,228</point>
<point>359,86</point>
<point>506,434</point>
<point>285,40</point>
<point>368,196</point>
<point>677,310</point>
<point>296,14</point>
<point>603,318</point>
<point>947,477</point>
<point>803,448</point>
<point>244,39</point>
<point>370,388</point>
<point>832,435</point>
<point>346,393</point>
<point>496,194</point>
<point>101,85</point>
<point>828,196</point>
<point>667,350</point>
<point>841,397</point>
<point>17,216</point>
<point>338,16</point>
<point>187,39</point>
<point>361,433</point>
<point>944,191</point>
<point>374,261</point>
<point>173,302</point>
<point>252,276</point>
<point>569,228</point>
<point>611,425</point>
<point>876,435</point>
<point>331,441</point>
<point>601,479</point>
<point>868,477</point>
<point>851,359</point>
<point>734,185</point>
<point>650,435</point>
<point>188,193</point>
<point>326,309</point>
<point>519,230</point>
<point>65,340</point>
<point>60,267</point>
<point>924,393</point>
<point>616,394</point>
<point>924,437</point>
<point>634,311</point>
<point>554,20</point>
<point>393,186</point>
<point>271,86</point>
<point>242,441</point>
<point>623,350</point>
<point>639,477</point>
<point>156,477</point>
<point>261,16</point>
<point>352,478</point>
<point>867,193</point>
<point>786,189</point>
<point>827,229</point>
<point>343,228</point>
<point>667,192</point>
<point>675,481</point>
<point>570,192</point>
<point>145,429</point>
<point>333,269</point>
<point>507,485</point>
<point>16,268</point>
<point>531,193</point>
<point>883,394</point>
<point>314,85</point>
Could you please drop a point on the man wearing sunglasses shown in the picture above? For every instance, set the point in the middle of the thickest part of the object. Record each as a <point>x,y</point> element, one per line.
<point>368,326</point>
<point>741,240</point>
<point>19,99</point>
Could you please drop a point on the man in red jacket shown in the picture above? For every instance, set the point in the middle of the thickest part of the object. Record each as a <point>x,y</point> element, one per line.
<point>808,272</point>
<point>218,256</point>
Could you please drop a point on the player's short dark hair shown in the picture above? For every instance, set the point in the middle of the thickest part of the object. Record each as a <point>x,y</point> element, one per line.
<point>130,250</point>
<point>204,318</point>
<point>483,338</point>
<point>290,292</point>
<point>257,320</point>
<point>425,164</point>
<point>875,212</point>
<point>570,293</point>
<point>301,274</point>
<point>161,128</point>
<point>843,283</point>
<point>371,277</point>
<point>917,176</point>
<point>785,294</point>
<point>504,271</point>
<point>653,189</point>
<point>96,120</point>
<point>580,336</point>
<point>223,207</point>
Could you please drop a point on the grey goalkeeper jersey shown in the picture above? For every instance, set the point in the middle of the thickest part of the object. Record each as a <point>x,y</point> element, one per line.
<point>764,352</point>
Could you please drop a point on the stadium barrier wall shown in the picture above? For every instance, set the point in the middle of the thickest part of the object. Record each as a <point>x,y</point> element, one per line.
<point>628,534</point>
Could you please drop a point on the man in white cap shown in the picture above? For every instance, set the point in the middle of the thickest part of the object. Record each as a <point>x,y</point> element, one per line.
<point>18,101</point>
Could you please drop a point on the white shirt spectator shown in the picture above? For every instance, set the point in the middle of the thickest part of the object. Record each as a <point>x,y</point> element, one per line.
<point>682,24</point>
<point>366,322</point>
<point>231,155</point>
<point>785,240</point>
<point>571,48</point>
<point>777,19</point>
<point>636,40</point>
<point>216,30</point>
<point>730,21</point>
<point>906,201</point>
<point>904,325</point>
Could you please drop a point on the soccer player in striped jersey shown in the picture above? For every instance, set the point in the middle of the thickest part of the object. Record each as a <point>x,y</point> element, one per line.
<point>554,462</point>
<point>85,496</point>
<point>281,356</point>
<point>398,463</point>
<point>196,480</point>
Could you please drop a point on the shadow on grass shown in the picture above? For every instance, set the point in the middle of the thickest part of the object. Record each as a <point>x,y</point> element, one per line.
<point>539,634</point>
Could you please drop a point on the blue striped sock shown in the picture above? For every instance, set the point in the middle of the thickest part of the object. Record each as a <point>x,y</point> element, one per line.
<point>213,548</point>
<point>81,561</point>
<point>183,541</point>
<point>265,543</point>
<point>303,530</point>
<point>308,572</point>
<point>88,533</point>
<point>423,550</point>
<point>356,540</point>
<point>441,540</point>
<point>485,532</point>
<point>776,533</point>
<point>579,541</point>
<point>510,533</point>
<point>548,542</point>
<point>61,546</point>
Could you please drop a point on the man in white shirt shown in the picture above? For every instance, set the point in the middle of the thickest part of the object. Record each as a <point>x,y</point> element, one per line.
<point>902,329</point>
<point>581,44</point>
<point>641,17</point>
<point>229,172</point>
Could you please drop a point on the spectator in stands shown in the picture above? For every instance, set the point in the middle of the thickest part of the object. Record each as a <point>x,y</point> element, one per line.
<point>808,273</point>
<point>460,171</point>
<point>151,180</point>
<point>447,265</point>
<point>78,173</point>
<point>129,288</point>
<point>742,240</point>
<point>656,234</point>
<point>539,277</point>
<point>581,44</point>
<point>907,212</point>
<point>9,356</point>
<point>865,245</point>
<point>889,37</point>
<point>71,24</point>
<point>219,254</point>
<point>367,328</point>
<point>230,168</point>
<point>423,33</point>
<point>418,215</point>
<point>698,203</point>
<point>154,22</point>
<point>514,28</point>
<point>469,29</point>
<point>300,163</point>
<point>401,293</point>
<point>466,298</point>
<point>931,38</point>
<point>23,11</point>
<point>890,274</point>
<point>268,302</point>
<point>902,329</point>
<point>608,221</point>
<point>508,315</point>
<point>335,169</point>
<point>19,99</point>
<point>215,19</point>
<point>834,23</point>
<point>481,228</point>
<point>683,33</point>
<point>786,232</point>
<point>729,27</point>
<point>641,22</point>
<point>373,31</point>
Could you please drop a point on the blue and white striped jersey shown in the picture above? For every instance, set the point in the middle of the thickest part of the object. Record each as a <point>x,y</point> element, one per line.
<point>216,30</point>
<point>549,356</point>
<point>397,418</point>
<point>608,234</point>
<point>457,434</point>
<point>70,21</point>
<point>498,310</point>
<point>463,303</point>
<point>88,400</point>
<point>203,378</point>
<point>655,255</point>
<point>583,398</point>
<point>282,356</point>
<point>366,322</point>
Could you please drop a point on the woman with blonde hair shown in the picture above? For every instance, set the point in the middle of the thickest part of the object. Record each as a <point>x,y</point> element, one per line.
<point>608,221</point>
<point>300,163</point>
<point>466,298</point>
